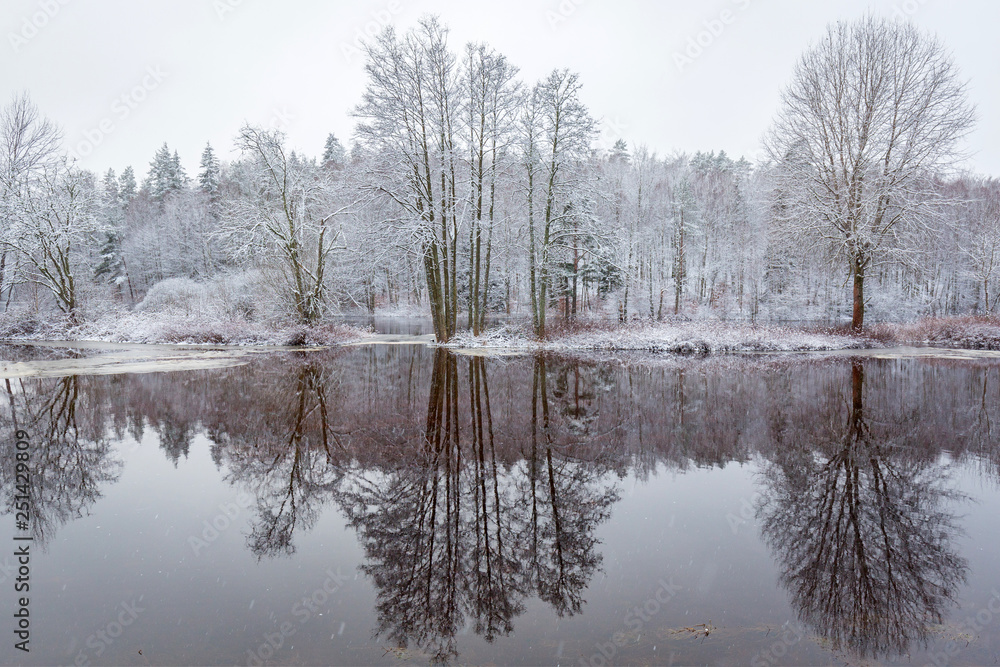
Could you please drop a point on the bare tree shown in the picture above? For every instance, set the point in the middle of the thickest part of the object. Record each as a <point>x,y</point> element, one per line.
<point>557,131</point>
<point>982,248</point>
<point>54,221</point>
<point>493,96</point>
<point>872,109</point>
<point>28,142</point>
<point>286,209</point>
<point>411,114</point>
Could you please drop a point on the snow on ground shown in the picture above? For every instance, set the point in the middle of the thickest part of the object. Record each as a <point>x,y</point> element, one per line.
<point>139,327</point>
<point>677,338</point>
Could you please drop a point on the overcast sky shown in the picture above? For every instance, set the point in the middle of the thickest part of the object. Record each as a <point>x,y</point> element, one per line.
<point>123,76</point>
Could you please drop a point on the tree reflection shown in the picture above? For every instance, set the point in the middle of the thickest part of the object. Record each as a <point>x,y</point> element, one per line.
<point>283,455</point>
<point>475,485</point>
<point>449,537</point>
<point>70,456</point>
<point>863,534</point>
<point>567,504</point>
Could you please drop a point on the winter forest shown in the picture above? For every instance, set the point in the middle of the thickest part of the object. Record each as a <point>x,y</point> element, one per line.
<point>470,196</point>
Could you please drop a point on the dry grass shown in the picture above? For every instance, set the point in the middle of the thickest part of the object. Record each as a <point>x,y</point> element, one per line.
<point>971,332</point>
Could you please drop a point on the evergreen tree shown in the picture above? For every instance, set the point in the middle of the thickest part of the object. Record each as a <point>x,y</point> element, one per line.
<point>111,265</point>
<point>357,152</point>
<point>333,153</point>
<point>619,152</point>
<point>208,179</point>
<point>178,179</point>
<point>159,174</point>
<point>110,194</point>
<point>165,174</point>
<point>127,188</point>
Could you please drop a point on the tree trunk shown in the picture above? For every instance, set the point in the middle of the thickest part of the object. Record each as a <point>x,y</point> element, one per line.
<point>858,319</point>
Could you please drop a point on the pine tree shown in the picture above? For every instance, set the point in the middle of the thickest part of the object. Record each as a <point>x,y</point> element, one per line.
<point>166,174</point>
<point>333,153</point>
<point>111,194</point>
<point>619,152</point>
<point>178,180</point>
<point>127,188</point>
<point>208,179</point>
<point>111,267</point>
<point>159,174</point>
<point>357,152</point>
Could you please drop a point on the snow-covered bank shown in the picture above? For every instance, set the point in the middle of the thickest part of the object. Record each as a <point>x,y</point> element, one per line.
<point>676,338</point>
<point>702,337</point>
<point>696,337</point>
<point>140,327</point>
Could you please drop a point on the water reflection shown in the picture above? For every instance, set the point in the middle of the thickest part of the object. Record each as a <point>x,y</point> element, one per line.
<point>284,454</point>
<point>455,535</point>
<point>70,454</point>
<point>477,485</point>
<point>863,531</point>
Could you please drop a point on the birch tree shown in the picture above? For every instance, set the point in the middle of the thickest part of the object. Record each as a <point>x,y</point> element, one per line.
<point>873,108</point>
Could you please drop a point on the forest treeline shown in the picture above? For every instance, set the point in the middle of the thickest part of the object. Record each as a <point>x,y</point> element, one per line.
<point>467,194</point>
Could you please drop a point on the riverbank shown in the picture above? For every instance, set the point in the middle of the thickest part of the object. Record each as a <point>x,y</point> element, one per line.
<point>160,328</point>
<point>693,337</point>
<point>684,338</point>
<point>705,337</point>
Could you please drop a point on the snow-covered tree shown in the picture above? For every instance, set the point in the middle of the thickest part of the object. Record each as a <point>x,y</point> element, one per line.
<point>557,134</point>
<point>166,174</point>
<point>872,110</point>
<point>410,119</point>
<point>29,143</point>
<point>211,171</point>
<point>127,188</point>
<point>492,103</point>
<point>54,222</point>
<point>286,211</point>
<point>333,152</point>
<point>110,266</point>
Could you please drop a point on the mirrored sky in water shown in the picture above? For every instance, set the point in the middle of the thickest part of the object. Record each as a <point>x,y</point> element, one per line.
<point>388,504</point>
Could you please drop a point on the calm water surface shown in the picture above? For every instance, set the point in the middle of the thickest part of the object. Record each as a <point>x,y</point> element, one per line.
<point>397,504</point>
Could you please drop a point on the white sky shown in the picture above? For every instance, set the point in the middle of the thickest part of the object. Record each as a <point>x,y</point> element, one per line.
<point>223,62</point>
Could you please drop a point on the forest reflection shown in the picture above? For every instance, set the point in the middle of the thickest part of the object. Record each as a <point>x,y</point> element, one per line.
<point>476,484</point>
